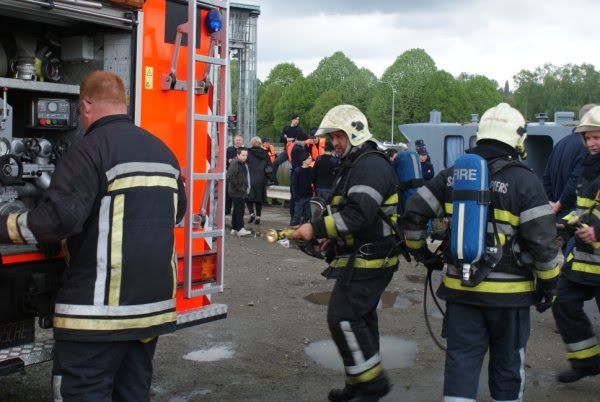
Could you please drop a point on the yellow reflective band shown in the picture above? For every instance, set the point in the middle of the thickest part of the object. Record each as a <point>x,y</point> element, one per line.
<point>553,273</point>
<point>116,251</point>
<point>330,228</point>
<point>491,287</point>
<point>95,324</point>
<point>142,181</point>
<point>502,238</point>
<point>362,263</point>
<point>448,208</point>
<point>364,377</point>
<point>596,244</point>
<point>349,240</point>
<point>336,200</point>
<point>506,216</point>
<point>596,213</point>
<point>391,200</point>
<point>585,202</point>
<point>583,267</point>
<point>584,354</point>
<point>174,257</point>
<point>13,230</point>
<point>570,257</point>
<point>416,244</point>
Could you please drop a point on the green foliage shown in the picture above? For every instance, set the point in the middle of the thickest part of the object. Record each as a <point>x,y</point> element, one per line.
<point>409,74</point>
<point>299,98</point>
<point>331,72</point>
<point>269,96</point>
<point>481,94</point>
<point>550,88</point>
<point>284,74</point>
<point>234,69</point>
<point>357,89</point>
<point>444,93</point>
<point>326,101</point>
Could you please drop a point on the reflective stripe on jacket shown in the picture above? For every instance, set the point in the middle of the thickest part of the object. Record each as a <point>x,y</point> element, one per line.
<point>520,208</point>
<point>115,196</point>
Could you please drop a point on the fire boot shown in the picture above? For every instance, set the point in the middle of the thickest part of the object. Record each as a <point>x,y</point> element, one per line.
<point>342,394</point>
<point>573,375</point>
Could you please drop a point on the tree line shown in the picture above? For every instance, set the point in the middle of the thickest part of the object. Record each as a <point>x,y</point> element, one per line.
<point>419,88</point>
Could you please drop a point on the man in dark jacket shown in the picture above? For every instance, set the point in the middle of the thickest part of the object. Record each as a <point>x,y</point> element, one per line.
<point>426,165</point>
<point>492,314</point>
<point>360,248</point>
<point>580,276</point>
<point>563,170</point>
<point>238,187</point>
<point>288,134</point>
<point>231,154</point>
<point>324,172</point>
<point>115,197</point>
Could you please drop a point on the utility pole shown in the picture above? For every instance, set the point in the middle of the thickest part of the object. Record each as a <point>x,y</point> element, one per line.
<point>393,100</point>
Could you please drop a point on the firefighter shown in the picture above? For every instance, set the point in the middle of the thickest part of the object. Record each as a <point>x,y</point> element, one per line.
<point>113,202</point>
<point>580,278</point>
<point>360,249</point>
<point>494,314</point>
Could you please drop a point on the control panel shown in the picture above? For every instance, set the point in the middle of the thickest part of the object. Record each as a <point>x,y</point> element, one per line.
<point>53,113</point>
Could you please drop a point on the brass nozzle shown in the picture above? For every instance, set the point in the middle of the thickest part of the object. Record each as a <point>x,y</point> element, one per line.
<point>274,235</point>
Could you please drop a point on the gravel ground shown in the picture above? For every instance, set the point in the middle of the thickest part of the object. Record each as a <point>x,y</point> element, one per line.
<point>258,352</point>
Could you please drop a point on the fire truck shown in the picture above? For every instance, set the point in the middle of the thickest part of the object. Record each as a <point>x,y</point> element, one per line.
<point>173,58</point>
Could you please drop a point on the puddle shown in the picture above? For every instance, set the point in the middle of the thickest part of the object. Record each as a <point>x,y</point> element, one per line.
<point>211,355</point>
<point>396,352</point>
<point>388,299</point>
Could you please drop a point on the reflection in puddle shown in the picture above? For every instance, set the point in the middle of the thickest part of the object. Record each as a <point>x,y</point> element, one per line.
<point>396,352</point>
<point>388,299</point>
<point>212,354</point>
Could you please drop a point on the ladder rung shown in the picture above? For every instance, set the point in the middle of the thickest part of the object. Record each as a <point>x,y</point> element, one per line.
<point>214,3</point>
<point>210,60</point>
<point>207,233</point>
<point>209,176</point>
<point>210,118</point>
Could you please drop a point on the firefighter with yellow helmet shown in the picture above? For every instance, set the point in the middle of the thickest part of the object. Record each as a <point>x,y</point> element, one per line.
<point>359,236</point>
<point>580,276</point>
<point>519,268</point>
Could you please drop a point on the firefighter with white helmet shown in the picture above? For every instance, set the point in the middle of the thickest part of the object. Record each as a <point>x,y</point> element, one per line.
<point>361,248</point>
<point>580,276</point>
<point>491,312</point>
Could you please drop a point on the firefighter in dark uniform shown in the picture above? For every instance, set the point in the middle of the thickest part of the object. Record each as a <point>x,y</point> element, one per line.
<point>494,314</point>
<point>359,239</point>
<point>114,200</point>
<point>580,277</point>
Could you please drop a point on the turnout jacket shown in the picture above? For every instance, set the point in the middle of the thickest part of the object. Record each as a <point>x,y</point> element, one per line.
<point>115,197</point>
<point>583,261</point>
<point>520,211</point>
<point>365,184</point>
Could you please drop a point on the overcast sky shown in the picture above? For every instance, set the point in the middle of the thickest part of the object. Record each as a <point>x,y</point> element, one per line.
<point>496,38</point>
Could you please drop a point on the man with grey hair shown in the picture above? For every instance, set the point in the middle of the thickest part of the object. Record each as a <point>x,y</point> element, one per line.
<point>563,170</point>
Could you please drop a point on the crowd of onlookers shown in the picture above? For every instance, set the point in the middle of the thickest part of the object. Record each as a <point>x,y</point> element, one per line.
<point>250,170</point>
<point>313,164</point>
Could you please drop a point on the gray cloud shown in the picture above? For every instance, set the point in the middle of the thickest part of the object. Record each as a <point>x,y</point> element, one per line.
<point>354,7</point>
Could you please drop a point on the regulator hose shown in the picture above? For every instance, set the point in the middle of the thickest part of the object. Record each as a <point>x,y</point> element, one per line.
<point>428,284</point>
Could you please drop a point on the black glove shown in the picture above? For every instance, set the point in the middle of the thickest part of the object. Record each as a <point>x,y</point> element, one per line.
<point>431,260</point>
<point>545,293</point>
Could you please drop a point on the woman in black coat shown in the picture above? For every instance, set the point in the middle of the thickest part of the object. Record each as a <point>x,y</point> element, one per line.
<point>260,167</point>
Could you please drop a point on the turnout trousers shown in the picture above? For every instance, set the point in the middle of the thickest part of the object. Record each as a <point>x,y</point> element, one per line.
<point>352,320</point>
<point>574,325</point>
<point>119,371</point>
<point>472,330</point>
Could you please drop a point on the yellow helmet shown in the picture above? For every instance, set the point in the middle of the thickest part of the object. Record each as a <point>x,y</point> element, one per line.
<point>348,119</point>
<point>505,124</point>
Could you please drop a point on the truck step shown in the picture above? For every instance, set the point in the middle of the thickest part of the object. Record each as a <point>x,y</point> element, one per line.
<point>28,354</point>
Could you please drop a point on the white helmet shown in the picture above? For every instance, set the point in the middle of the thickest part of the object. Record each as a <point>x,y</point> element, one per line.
<point>505,124</point>
<point>348,119</point>
<point>590,121</point>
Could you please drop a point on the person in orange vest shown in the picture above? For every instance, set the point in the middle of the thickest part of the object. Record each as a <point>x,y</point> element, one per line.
<point>267,146</point>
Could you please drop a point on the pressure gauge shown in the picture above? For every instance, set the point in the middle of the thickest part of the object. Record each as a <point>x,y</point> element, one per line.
<point>52,107</point>
<point>4,147</point>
